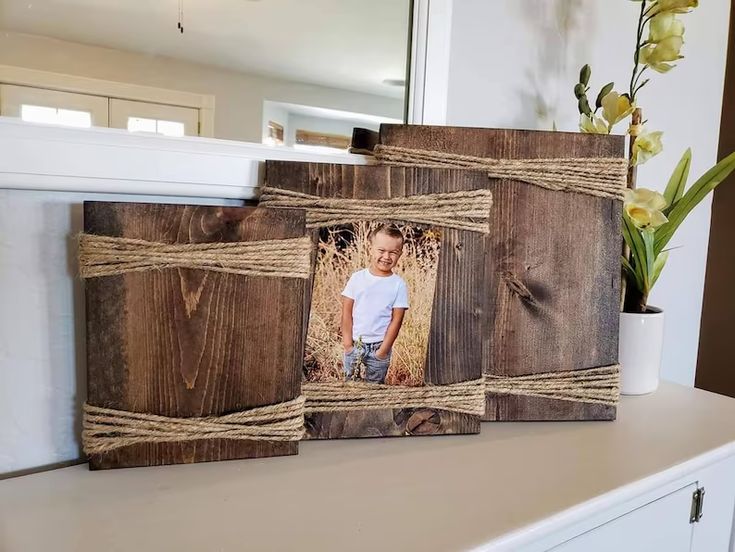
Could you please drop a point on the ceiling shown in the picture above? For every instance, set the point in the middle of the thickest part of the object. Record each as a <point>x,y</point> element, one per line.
<point>351,44</point>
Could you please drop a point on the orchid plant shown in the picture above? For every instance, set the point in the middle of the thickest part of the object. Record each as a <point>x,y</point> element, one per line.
<point>650,218</point>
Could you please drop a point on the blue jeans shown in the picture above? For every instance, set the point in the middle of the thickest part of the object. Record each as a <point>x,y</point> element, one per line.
<point>361,363</point>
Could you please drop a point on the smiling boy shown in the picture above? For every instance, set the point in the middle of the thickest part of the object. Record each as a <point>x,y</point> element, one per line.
<point>374,302</point>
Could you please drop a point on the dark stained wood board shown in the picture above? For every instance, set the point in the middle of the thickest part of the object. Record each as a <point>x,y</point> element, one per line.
<point>564,248</point>
<point>454,344</point>
<point>183,342</point>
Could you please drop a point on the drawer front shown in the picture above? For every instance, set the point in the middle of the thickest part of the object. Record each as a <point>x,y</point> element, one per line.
<point>661,525</point>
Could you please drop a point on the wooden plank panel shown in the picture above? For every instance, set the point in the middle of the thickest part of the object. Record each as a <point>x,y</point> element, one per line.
<point>183,342</point>
<point>564,248</point>
<point>454,348</point>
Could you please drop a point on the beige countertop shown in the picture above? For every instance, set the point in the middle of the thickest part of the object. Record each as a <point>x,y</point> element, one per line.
<point>430,493</point>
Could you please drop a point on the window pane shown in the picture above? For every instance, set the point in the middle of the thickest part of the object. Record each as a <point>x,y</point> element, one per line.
<point>38,114</point>
<point>158,126</point>
<point>139,124</point>
<point>170,128</point>
<point>74,118</point>
<point>52,115</point>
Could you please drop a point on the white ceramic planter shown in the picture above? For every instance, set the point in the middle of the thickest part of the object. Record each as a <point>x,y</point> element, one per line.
<point>639,351</point>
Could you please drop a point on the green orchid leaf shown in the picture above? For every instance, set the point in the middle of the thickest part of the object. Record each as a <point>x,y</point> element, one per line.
<point>648,238</point>
<point>658,266</point>
<point>693,196</point>
<point>677,182</point>
<point>631,272</point>
<point>634,240</point>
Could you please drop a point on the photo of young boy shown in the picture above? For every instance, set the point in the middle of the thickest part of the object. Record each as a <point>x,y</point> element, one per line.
<point>371,303</point>
<point>374,303</point>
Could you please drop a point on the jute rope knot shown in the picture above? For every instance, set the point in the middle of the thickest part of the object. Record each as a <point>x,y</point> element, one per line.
<point>464,210</point>
<point>109,256</point>
<point>106,429</point>
<point>596,176</point>
<point>593,385</point>
<point>467,397</point>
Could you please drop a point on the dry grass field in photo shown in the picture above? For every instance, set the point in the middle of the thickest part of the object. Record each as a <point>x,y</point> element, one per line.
<point>343,251</point>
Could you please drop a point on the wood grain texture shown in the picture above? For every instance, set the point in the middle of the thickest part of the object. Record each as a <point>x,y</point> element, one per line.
<point>183,342</point>
<point>458,311</point>
<point>564,248</point>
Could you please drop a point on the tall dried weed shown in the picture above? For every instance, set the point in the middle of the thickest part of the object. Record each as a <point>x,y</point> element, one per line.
<point>345,251</point>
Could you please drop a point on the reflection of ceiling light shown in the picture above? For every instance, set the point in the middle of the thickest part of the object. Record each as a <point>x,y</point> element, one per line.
<point>394,82</point>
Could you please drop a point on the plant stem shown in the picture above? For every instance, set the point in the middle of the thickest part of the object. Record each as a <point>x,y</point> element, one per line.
<point>635,119</point>
<point>637,78</point>
<point>639,36</point>
<point>635,301</point>
<point>631,298</point>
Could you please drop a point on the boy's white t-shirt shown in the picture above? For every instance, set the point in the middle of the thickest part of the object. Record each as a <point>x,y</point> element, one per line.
<point>375,297</point>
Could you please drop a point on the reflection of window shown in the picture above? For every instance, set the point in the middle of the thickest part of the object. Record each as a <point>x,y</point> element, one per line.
<point>322,139</point>
<point>44,105</point>
<point>275,134</point>
<point>158,126</point>
<point>56,116</point>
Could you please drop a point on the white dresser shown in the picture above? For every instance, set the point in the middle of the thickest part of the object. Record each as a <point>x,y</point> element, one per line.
<point>565,486</point>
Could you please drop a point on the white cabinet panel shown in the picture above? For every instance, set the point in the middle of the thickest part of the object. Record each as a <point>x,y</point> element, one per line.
<point>662,525</point>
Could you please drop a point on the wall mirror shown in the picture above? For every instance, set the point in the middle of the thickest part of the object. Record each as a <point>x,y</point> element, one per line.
<point>289,73</point>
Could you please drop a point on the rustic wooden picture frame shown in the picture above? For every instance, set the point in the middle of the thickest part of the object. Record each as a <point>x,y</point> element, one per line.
<point>454,350</point>
<point>552,273</point>
<point>181,342</point>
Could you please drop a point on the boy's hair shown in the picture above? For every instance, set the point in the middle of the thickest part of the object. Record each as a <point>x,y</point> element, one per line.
<point>389,229</point>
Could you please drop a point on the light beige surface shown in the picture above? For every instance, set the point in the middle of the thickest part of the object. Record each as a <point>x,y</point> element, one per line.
<point>442,493</point>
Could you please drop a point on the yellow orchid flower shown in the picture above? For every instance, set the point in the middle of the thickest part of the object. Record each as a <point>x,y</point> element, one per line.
<point>643,207</point>
<point>663,26</point>
<point>615,108</point>
<point>646,145</point>
<point>657,55</point>
<point>674,6</point>
<point>645,197</point>
<point>592,124</point>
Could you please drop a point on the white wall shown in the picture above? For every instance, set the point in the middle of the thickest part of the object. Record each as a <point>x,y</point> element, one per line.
<point>238,97</point>
<point>42,355</point>
<point>513,65</point>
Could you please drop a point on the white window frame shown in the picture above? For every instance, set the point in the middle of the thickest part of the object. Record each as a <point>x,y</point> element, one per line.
<point>23,76</point>
<point>431,34</point>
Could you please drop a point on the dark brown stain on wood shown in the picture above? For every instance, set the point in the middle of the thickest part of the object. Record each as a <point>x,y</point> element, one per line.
<point>455,345</point>
<point>181,342</point>
<point>552,281</point>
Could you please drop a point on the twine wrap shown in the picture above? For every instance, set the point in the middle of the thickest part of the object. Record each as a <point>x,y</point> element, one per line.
<point>467,397</point>
<point>109,256</point>
<point>595,176</point>
<point>468,210</point>
<point>106,429</point>
<point>593,385</point>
